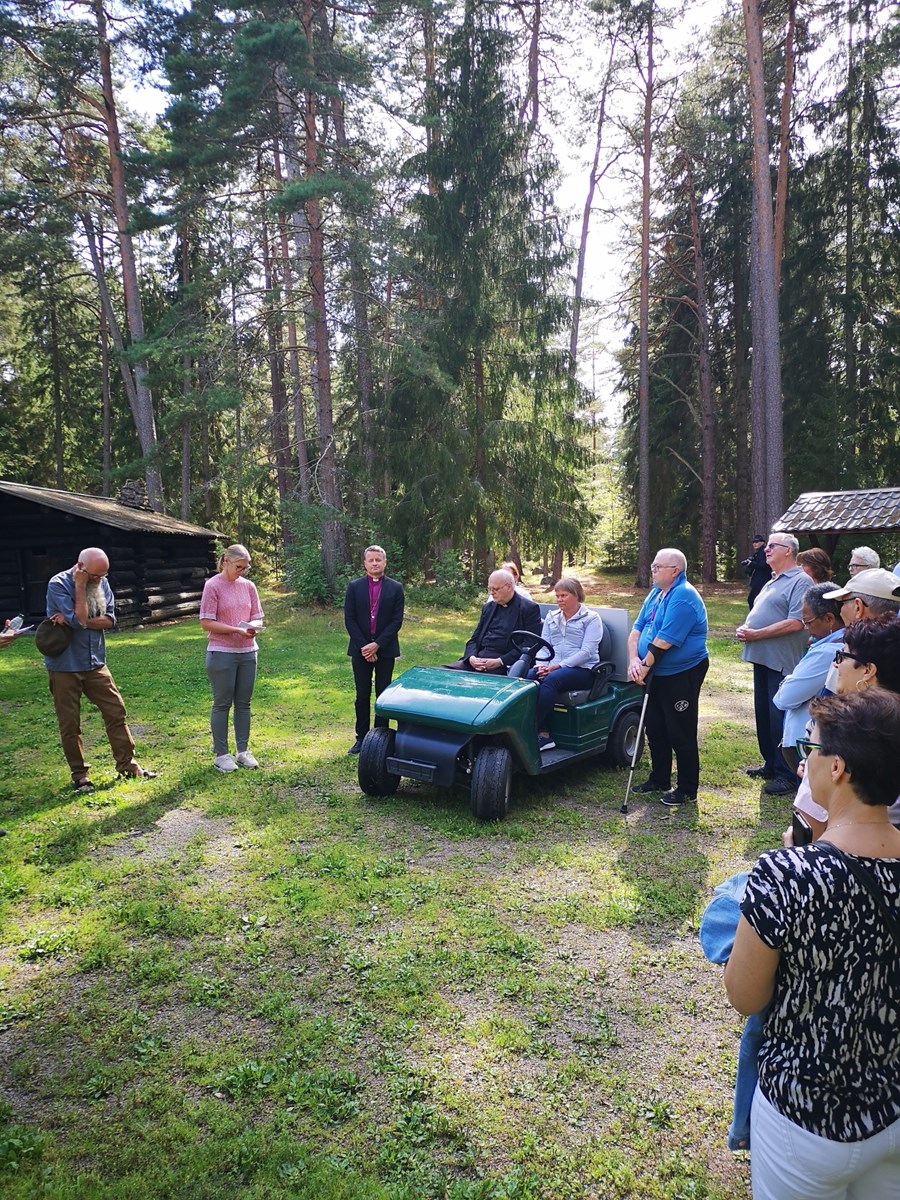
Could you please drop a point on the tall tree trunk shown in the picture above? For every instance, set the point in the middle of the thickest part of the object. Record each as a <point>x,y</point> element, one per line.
<point>334,550</point>
<point>644,552</point>
<point>105,399</point>
<point>740,394</point>
<point>768,347</point>
<point>784,141</point>
<point>144,416</point>
<point>186,381</point>
<point>280,450</point>
<point>298,402</point>
<point>594,178</point>
<point>530,101</point>
<point>709,521</point>
<point>359,292</point>
<point>55,369</point>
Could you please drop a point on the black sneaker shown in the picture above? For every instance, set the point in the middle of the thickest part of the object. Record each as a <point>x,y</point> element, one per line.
<point>546,743</point>
<point>759,772</point>
<point>648,788</point>
<point>781,787</point>
<point>356,747</point>
<point>676,797</point>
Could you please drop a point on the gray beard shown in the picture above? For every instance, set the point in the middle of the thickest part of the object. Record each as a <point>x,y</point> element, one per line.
<point>96,601</point>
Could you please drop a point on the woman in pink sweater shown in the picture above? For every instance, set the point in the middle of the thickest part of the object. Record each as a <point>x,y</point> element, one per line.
<point>231,614</point>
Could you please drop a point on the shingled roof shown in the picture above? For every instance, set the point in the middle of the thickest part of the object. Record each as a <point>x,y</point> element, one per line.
<point>106,511</point>
<point>872,509</point>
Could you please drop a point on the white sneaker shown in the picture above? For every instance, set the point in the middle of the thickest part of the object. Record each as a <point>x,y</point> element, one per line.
<point>224,762</point>
<point>246,759</point>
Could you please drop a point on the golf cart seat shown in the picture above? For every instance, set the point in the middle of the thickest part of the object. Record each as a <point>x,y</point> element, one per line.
<point>613,655</point>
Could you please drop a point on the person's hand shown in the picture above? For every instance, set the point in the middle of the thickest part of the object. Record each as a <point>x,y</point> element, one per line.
<point>801,768</point>
<point>544,669</point>
<point>248,631</point>
<point>58,619</point>
<point>744,633</point>
<point>370,652</point>
<point>636,670</point>
<point>80,577</point>
<point>788,838</point>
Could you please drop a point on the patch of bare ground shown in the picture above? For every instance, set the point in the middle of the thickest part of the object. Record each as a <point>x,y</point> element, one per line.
<point>172,833</point>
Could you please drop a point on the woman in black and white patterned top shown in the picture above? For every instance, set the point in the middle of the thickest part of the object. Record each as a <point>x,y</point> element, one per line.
<point>825,1121</point>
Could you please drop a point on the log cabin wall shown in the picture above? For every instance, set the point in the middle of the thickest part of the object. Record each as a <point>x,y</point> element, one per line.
<point>155,576</point>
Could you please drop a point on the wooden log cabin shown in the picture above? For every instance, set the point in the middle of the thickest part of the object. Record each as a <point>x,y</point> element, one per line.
<point>158,565</point>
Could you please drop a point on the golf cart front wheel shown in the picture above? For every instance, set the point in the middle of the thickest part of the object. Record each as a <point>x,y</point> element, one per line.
<point>491,784</point>
<point>623,739</point>
<point>374,777</point>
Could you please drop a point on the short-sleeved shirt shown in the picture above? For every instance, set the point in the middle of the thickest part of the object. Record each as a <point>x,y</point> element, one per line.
<point>677,616</point>
<point>780,600</point>
<point>831,1057</point>
<point>86,650</point>
<point>230,601</point>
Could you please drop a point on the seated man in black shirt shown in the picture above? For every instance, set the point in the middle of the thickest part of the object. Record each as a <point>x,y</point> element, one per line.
<point>489,649</point>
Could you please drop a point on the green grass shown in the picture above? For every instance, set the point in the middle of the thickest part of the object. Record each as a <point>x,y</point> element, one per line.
<point>269,985</point>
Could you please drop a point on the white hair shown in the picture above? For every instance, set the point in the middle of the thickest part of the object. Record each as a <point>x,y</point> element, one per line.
<point>867,555</point>
<point>789,541</point>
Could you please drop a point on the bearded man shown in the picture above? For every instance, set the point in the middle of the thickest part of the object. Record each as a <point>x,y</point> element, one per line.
<point>80,599</point>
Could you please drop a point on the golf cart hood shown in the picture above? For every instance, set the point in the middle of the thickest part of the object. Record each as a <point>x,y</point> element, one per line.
<point>457,699</point>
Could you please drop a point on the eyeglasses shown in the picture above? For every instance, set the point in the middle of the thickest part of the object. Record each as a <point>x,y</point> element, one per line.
<point>501,587</point>
<point>854,567</point>
<point>840,655</point>
<point>663,567</point>
<point>805,747</point>
<point>777,546</point>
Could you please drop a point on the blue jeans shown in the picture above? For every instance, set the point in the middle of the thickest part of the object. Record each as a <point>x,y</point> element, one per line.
<point>566,679</point>
<point>232,677</point>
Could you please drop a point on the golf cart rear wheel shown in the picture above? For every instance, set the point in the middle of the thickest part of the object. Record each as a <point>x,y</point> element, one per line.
<point>491,784</point>
<point>374,777</point>
<point>620,748</point>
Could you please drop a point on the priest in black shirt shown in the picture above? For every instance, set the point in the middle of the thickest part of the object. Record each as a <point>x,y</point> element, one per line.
<point>489,649</point>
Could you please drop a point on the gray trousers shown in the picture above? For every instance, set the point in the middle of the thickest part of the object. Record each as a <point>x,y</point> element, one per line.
<point>232,677</point>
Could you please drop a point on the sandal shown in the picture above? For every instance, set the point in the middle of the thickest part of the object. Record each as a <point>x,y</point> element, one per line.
<point>140,773</point>
<point>82,785</point>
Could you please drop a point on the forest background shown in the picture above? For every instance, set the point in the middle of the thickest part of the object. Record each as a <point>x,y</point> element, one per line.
<point>329,295</point>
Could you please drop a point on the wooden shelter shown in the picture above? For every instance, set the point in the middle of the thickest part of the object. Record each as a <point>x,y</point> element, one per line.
<point>824,516</point>
<point>157,565</point>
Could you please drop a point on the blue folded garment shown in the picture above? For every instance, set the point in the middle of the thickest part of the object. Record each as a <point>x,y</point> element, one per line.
<point>719,922</point>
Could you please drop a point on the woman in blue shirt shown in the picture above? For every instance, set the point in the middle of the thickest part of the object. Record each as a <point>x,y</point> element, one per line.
<point>669,636</point>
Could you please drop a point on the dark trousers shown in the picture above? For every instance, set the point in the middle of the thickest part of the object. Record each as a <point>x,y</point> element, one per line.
<point>672,710</point>
<point>462,664</point>
<point>769,720</point>
<point>363,672</point>
<point>566,679</point>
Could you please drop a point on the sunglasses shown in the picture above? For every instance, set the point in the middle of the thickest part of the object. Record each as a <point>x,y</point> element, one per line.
<point>805,747</point>
<point>840,655</point>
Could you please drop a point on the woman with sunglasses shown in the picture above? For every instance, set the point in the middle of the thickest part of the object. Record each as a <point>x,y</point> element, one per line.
<point>870,659</point>
<point>817,943</point>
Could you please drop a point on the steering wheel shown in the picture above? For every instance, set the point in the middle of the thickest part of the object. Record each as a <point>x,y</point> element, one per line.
<point>530,643</point>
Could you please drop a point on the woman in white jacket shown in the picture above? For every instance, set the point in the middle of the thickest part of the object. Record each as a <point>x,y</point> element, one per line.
<point>574,632</point>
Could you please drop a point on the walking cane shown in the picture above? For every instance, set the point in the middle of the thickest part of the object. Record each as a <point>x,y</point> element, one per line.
<point>637,744</point>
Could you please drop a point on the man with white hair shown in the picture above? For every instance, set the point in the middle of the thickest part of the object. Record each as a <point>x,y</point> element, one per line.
<point>81,605</point>
<point>774,639</point>
<point>489,649</point>
<point>863,558</point>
